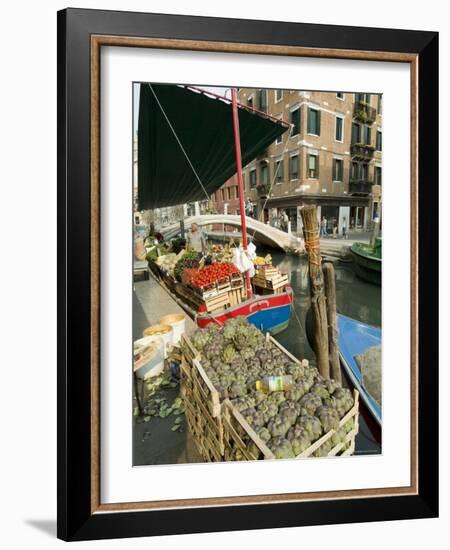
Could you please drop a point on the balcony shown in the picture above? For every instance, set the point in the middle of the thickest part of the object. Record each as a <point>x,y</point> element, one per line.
<point>263,189</point>
<point>360,187</point>
<point>360,151</point>
<point>364,112</point>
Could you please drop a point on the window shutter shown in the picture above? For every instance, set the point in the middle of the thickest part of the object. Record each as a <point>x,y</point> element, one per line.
<point>318,113</point>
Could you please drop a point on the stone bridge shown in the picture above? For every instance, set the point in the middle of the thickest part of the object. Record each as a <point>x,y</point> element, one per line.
<point>263,233</point>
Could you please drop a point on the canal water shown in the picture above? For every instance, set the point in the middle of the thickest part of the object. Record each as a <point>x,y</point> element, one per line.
<point>354,298</point>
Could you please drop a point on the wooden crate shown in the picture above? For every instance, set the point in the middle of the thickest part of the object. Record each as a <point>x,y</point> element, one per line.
<point>235,296</point>
<point>219,429</point>
<point>202,405</point>
<point>273,283</point>
<point>241,442</point>
<point>221,301</point>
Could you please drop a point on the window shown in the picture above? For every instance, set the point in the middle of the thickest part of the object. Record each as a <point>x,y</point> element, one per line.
<point>313,166</point>
<point>339,134</point>
<point>278,95</point>
<point>356,133</point>
<point>250,101</point>
<point>367,135</point>
<point>279,170</point>
<point>340,95</point>
<point>314,122</point>
<point>355,167</point>
<point>378,175</point>
<point>243,181</point>
<point>337,169</point>
<point>264,173</point>
<point>262,100</point>
<point>295,121</point>
<point>380,104</point>
<point>379,140</point>
<point>252,178</point>
<point>223,194</point>
<point>365,171</point>
<point>364,98</point>
<point>293,167</point>
<point>279,138</point>
<point>229,189</point>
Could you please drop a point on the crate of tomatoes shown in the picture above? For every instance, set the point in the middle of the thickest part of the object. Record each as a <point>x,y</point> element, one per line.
<point>214,277</point>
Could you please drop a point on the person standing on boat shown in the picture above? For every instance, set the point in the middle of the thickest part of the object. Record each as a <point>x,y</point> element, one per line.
<point>195,239</point>
<point>344,229</point>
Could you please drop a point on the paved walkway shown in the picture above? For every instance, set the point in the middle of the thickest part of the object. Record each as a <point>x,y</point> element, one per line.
<point>154,442</point>
<point>151,302</point>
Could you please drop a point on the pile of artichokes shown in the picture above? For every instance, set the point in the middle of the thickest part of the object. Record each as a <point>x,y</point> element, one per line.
<point>237,355</point>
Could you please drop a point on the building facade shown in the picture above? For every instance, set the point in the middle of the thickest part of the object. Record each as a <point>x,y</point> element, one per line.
<point>330,156</point>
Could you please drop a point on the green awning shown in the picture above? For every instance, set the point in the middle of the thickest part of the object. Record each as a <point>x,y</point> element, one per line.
<point>204,127</point>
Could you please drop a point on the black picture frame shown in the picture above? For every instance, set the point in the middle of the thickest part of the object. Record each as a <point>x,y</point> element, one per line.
<point>75,478</point>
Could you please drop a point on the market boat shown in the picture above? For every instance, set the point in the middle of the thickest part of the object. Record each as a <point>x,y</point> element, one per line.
<point>356,339</point>
<point>170,148</point>
<point>367,260</point>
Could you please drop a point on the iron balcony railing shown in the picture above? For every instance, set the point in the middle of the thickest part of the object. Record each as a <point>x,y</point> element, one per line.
<point>364,112</point>
<point>360,186</point>
<point>362,152</point>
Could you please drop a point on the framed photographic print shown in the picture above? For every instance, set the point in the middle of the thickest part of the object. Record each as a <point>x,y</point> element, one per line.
<point>247,241</point>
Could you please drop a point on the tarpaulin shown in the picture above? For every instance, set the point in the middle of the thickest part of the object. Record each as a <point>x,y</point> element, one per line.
<point>177,123</point>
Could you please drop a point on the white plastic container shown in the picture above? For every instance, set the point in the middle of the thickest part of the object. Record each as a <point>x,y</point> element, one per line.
<point>163,332</point>
<point>178,323</point>
<point>152,361</point>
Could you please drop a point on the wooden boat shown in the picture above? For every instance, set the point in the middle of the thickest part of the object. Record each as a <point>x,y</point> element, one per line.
<point>355,338</point>
<point>367,261</point>
<point>160,104</point>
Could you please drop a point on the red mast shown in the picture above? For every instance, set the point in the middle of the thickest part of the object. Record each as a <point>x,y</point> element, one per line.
<point>237,142</point>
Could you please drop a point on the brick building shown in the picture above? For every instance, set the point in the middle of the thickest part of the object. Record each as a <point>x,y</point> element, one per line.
<point>331,156</point>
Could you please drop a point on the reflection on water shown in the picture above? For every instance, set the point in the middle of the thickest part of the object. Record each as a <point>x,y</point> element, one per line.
<point>355,298</point>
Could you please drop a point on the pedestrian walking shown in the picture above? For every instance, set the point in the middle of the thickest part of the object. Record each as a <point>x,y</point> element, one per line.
<point>323,228</point>
<point>335,229</point>
<point>284,222</point>
<point>344,229</point>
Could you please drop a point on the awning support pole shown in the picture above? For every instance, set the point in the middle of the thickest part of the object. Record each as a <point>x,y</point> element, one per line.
<point>237,143</point>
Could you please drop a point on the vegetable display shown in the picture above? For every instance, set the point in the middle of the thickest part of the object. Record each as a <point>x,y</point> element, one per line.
<point>237,356</point>
<point>187,261</point>
<point>212,273</point>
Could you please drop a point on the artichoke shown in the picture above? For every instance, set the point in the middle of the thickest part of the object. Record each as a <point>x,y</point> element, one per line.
<point>200,338</point>
<point>311,424</point>
<point>329,418</point>
<point>278,426</point>
<point>264,434</point>
<point>295,393</point>
<point>310,403</point>
<point>281,447</point>
<point>237,390</point>
<point>299,439</point>
<point>228,354</point>
<point>268,409</point>
<point>320,389</point>
<point>338,437</point>
<point>324,449</point>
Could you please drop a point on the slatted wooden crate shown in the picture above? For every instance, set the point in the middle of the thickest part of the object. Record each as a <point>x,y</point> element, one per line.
<point>219,429</point>
<point>221,301</point>
<point>241,442</point>
<point>202,405</point>
<point>235,296</point>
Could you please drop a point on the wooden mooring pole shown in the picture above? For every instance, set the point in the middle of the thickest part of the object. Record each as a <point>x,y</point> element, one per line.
<point>318,298</point>
<point>333,339</point>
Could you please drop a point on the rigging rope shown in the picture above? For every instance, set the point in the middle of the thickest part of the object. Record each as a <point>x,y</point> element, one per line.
<point>179,142</point>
